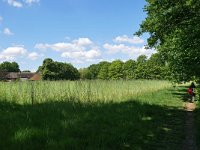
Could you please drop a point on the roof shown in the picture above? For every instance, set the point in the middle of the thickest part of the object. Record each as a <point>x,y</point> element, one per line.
<point>36,77</point>
<point>12,75</point>
<point>27,75</point>
<point>16,75</point>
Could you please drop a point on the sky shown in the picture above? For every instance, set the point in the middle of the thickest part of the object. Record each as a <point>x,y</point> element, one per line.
<point>80,32</point>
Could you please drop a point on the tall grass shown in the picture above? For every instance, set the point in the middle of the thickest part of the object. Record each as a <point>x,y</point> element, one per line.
<point>92,115</point>
<point>77,91</point>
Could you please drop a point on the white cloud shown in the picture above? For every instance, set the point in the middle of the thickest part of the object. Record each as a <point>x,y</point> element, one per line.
<point>60,47</point>
<point>7,31</point>
<point>83,42</point>
<point>15,3</point>
<point>85,55</point>
<point>126,39</point>
<point>11,53</point>
<point>21,3</point>
<point>33,55</point>
<point>130,50</point>
<point>76,45</point>
<point>79,50</point>
<point>31,1</point>
<point>42,46</point>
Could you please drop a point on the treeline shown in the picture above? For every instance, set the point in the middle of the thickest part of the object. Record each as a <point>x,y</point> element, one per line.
<point>153,68</point>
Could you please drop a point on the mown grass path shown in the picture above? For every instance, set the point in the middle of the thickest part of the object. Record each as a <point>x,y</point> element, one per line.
<point>189,142</point>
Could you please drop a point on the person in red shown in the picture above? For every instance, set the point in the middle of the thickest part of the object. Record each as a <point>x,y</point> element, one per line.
<point>191,91</point>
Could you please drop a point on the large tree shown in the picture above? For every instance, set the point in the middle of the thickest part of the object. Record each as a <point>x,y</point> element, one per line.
<point>9,67</point>
<point>53,70</point>
<point>115,70</point>
<point>103,71</point>
<point>174,27</point>
<point>129,68</point>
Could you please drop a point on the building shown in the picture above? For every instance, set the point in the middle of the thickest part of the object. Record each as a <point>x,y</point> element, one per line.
<point>22,76</point>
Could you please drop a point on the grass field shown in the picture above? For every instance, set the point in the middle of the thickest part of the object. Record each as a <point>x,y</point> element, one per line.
<point>91,115</point>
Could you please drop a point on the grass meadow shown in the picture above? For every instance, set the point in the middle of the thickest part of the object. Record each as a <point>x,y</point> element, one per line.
<point>91,115</point>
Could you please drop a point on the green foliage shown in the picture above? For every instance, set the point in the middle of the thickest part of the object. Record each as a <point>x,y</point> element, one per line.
<point>51,70</point>
<point>9,67</point>
<point>153,68</point>
<point>93,71</point>
<point>103,72</point>
<point>115,70</point>
<point>174,28</point>
<point>129,68</point>
<point>85,73</point>
<point>141,59</point>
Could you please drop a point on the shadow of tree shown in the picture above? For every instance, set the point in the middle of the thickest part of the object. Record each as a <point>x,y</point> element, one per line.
<point>197,122</point>
<point>69,125</point>
<point>181,92</point>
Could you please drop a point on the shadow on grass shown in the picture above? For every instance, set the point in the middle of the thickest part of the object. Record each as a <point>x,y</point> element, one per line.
<point>181,92</point>
<point>197,122</point>
<point>68,125</point>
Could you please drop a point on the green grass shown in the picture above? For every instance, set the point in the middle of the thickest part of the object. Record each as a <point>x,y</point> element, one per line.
<point>92,115</point>
<point>82,91</point>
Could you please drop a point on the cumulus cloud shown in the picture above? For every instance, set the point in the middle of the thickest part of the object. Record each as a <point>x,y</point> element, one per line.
<point>31,1</point>
<point>126,39</point>
<point>7,31</point>
<point>83,42</point>
<point>76,45</point>
<point>85,55</point>
<point>21,3</point>
<point>78,50</point>
<point>130,50</point>
<point>15,3</point>
<point>15,52</point>
<point>11,53</point>
<point>33,55</point>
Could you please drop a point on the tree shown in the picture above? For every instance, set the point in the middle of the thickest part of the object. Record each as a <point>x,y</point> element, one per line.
<point>103,71</point>
<point>157,68</point>
<point>129,68</point>
<point>141,68</point>
<point>93,71</point>
<point>141,59</point>
<point>51,70</point>
<point>85,73</point>
<point>174,28</point>
<point>9,67</point>
<point>115,70</point>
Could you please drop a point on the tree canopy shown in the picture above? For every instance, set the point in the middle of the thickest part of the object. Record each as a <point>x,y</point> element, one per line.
<point>53,70</point>
<point>174,28</point>
<point>143,68</point>
<point>9,67</point>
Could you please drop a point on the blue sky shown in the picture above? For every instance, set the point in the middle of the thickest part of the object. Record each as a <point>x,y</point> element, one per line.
<point>81,32</point>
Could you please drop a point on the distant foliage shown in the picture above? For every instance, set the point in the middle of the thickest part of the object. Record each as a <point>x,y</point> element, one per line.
<point>153,68</point>
<point>53,70</point>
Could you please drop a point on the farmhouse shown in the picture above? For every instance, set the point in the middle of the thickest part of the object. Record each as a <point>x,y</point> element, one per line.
<point>23,76</point>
